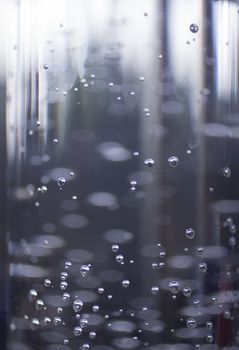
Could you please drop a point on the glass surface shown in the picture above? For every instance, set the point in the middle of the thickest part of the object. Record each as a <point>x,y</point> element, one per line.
<point>119,139</point>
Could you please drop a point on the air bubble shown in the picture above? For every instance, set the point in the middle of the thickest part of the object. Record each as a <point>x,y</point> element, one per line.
<point>115,248</point>
<point>84,270</point>
<point>155,290</point>
<point>187,292</point>
<point>194,28</point>
<point>173,161</point>
<point>174,287</point>
<point>77,305</point>
<point>190,233</point>
<point>125,283</point>
<point>61,181</point>
<point>227,172</point>
<point>191,323</point>
<point>83,322</point>
<point>77,331</point>
<point>149,162</point>
<point>202,267</point>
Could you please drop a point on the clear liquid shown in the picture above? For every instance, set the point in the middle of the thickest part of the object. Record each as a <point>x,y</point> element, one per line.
<point>122,196</point>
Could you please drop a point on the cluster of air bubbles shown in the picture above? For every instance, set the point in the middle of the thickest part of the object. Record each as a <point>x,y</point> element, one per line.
<point>173,161</point>
<point>194,28</point>
<point>149,162</point>
<point>227,172</point>
<point>174,287</point>
<point>202,266</point>
<point>190,233</point>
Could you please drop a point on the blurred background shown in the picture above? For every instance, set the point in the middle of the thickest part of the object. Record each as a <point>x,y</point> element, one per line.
<point>119,167</point>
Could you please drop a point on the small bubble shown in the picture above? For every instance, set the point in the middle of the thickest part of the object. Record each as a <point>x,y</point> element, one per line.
<point>173,161</point>
<point>84,270</point>
<point>85,346</point>
<point>135,154</point>
<point>64,275</point>
<point>209,325</point>
<point>227,172</point>
<point>155,290</point>
<point>32,294</point>
<point>119,258</point>
<point>141,78</point>
<point>77,305</point>
<point>68,264</point>
<point>115,248</point>
<point>191,323</point>
<point>149,162</point>
<point>202,267</point>
<point>232,241</point>
<point>47,283</point>
<point>61,181</point>
<point>66,296</point>
<point>190,233</point>
<point>38,123</point>
<point>63,285</point>
<point>95,308</point>
<point>200,250</point>
<point>77,331</point>
<point>209,338</point>
<point>187,292</point>
<point>66,341</point>
<point>194,28</point>
<point>42,189</point>
<point>55,141</point>
<point>92,335</point>
<point>39,304</point>
<point>57,321</point>
<point>83,322</point>
<point>101,290</point>
<point>125,283</point>
<point>46,321</point>
<point>174,287</point>
<point>46,66</point>
<point>35,323</point>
